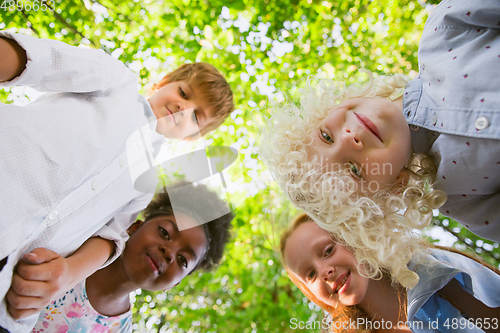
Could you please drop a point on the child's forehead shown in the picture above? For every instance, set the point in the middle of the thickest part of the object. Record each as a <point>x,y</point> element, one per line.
<point>184,84</point>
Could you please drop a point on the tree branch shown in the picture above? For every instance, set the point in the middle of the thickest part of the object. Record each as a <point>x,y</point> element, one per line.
<point>72,28</point>
<point>28,23</point>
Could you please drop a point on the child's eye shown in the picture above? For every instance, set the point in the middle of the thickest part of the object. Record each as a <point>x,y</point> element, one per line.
<point>164,233</point>
<point>183,261</point>
<point>311,275</point>
<point>195,119</point>
<point>329,250</point>
<point>326,137</point>
<point>182,93</point>
<point>355,171</point>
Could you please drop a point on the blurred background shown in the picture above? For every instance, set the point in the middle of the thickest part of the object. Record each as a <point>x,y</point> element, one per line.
<point>262,47</point>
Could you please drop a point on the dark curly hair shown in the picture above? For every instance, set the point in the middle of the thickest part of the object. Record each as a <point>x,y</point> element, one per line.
<point>217,231</point>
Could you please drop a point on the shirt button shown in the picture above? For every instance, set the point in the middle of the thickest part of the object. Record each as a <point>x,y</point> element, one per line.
<point>482,123</point>
<point>95,185</point>
<point>122,162</point>
<point>434,120</point>
<point>53,214</point>
<point>414,128</point>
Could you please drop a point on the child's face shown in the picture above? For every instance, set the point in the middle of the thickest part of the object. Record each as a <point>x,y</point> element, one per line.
<point>367,138</point>
<point>158,256</point>
<point>180,109</point>
<point>326,268</point>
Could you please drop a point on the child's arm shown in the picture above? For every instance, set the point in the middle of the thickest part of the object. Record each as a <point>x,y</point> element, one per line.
<point>473,308</point>
<point>42,275</point>
<point>53,66</point>
<point>13,60</point>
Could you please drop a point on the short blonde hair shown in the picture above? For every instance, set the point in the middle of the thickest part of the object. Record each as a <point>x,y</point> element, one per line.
<point>381,228</point>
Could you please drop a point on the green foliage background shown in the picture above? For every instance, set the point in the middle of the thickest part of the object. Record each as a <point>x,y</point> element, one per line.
<point>261,46</point>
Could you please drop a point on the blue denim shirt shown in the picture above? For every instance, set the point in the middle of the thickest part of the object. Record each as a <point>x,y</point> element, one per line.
<point>453,108</point>
<point>435,270</point>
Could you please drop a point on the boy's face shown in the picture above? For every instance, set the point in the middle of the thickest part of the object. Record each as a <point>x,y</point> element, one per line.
<point>180,109</point>
<point>158,256</point>
<point>367,138</point>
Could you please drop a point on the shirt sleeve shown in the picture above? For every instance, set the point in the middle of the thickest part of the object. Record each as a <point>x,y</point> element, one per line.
<point>482,14</point>
<point>116,228</point>
<point>54,66</point>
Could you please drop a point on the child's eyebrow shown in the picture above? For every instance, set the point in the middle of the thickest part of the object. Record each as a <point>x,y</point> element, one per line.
<point>189,88</point>
<point>174,226</point>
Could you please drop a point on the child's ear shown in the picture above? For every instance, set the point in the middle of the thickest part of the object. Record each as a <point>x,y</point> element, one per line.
<point>134,227</point>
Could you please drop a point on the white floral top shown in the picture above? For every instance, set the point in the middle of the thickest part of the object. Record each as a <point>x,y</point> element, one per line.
<point>73,313</point>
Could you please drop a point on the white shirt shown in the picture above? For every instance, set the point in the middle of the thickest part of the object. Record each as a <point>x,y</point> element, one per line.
<point>64,170</point>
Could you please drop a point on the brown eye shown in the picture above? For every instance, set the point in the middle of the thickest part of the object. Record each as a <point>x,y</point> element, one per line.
<point>164,233</point>
<point>183,261</point>
<point>182,93</point>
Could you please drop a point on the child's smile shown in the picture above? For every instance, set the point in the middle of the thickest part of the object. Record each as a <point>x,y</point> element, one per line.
<point>155,264</point>
<point>365,121</point>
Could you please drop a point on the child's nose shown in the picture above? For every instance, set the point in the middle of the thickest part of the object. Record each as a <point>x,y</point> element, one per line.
<point>350,138</point>
<point>166,254</point>
<point>327,273</point>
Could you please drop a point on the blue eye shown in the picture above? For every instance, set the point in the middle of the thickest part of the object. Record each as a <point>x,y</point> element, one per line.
<point>355,171</point>
<point>326,137</point>
<point>164,233</point>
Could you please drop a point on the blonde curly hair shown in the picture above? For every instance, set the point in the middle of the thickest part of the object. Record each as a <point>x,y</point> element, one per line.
<point>381,228</point>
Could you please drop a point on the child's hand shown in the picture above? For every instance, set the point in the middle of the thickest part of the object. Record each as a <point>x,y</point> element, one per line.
<point>40,277</point>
